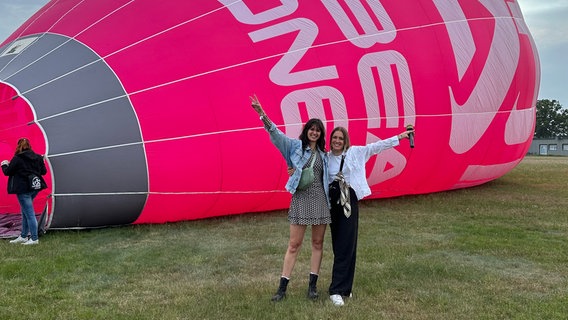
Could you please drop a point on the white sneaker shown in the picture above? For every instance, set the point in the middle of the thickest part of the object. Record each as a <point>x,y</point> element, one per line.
<point>336,299</point>
<point>30,241</point>
<point>19,239</point>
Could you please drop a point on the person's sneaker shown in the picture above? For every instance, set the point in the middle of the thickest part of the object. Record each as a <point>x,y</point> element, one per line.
<point>30,241</point>
<point>19,239</point>
<point>336,299</point>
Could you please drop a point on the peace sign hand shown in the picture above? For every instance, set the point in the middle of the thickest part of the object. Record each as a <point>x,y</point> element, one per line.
<point>256,105</point>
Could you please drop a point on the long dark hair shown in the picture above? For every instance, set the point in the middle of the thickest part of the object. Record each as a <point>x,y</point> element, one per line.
<point>304,135</point>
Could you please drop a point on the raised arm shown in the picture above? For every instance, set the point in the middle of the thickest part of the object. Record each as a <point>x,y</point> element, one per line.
<point>381,145</point>
<point>281,141</point>
<point>258,108</point>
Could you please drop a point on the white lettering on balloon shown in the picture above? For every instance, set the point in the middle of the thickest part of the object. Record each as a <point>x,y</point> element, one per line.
<point>315,99</point>
<point>386,63</point>
<point>394,73</point>
<point>471,119</point>
<point>372,33</point>
<point>385,76</point>
<point>281,73</point>
<point>521,122</point>
<point>244,15</point>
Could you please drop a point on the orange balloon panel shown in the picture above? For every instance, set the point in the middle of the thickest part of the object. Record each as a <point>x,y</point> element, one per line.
<point>144,115</point>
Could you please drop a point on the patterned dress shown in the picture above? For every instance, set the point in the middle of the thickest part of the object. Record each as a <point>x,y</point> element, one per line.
<point>309,206</point>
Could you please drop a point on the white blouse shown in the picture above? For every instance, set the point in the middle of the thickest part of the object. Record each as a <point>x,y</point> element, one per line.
<point>354,166</point>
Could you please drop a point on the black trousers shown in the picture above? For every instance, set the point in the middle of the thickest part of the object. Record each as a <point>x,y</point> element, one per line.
<point>344,242</point>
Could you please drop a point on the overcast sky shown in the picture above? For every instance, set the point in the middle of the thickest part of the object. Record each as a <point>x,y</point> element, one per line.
<point>547,21</point>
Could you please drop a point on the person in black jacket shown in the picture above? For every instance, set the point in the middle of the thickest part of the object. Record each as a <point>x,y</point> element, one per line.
<point>25,180</point>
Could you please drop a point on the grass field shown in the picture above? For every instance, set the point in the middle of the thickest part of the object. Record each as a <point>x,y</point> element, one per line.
<point>497,251</point>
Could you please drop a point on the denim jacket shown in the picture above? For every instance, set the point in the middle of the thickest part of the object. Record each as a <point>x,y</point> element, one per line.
<point>291,150</point>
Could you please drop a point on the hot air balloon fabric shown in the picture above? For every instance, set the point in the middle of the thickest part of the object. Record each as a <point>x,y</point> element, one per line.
<point>142,110</point>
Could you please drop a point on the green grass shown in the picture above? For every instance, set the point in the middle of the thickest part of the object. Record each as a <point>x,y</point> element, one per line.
<point>497,251</point>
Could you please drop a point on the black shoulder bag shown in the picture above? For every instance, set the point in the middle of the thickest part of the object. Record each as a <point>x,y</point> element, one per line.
<point>334,189</point>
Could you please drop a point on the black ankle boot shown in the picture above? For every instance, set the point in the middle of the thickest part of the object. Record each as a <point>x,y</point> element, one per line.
<point>312,288</point>
<point>281,293</point>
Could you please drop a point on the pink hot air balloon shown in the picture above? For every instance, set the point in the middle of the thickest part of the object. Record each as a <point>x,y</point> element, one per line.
<point>143,111</point>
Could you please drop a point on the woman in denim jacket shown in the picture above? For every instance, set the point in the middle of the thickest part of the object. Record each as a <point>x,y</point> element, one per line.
<point>309,206</point>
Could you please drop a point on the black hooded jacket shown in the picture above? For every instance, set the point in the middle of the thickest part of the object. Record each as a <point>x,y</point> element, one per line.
<point>21,166</point>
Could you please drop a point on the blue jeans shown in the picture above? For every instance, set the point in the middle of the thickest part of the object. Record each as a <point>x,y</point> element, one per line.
<point>29,222</point>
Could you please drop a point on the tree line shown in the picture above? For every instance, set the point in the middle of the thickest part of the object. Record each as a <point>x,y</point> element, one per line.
<point>551,120</point>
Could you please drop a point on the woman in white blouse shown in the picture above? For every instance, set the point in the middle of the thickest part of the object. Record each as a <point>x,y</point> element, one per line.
<point>344,222</point>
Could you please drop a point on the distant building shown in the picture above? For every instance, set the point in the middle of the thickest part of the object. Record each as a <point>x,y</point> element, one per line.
<point>549,147</point>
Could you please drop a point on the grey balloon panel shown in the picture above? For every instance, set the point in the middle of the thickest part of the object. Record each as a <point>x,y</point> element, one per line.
<point>114,170</point>
<point>68,79</point>
<point>14,63</point>
<point>94,139</point>
<point>96,211</point>
<point>70,56</point>
<point>110,123</point>
<point>90,85</point>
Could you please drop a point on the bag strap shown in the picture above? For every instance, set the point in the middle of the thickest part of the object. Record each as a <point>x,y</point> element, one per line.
<point>313,159</point>
<point>341,165</point>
